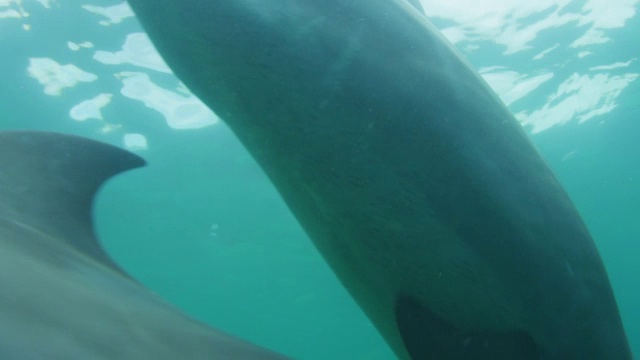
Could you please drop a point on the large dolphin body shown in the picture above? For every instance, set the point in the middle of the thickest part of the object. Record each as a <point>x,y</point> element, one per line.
<point>411,177</point>
<point>61,297</point>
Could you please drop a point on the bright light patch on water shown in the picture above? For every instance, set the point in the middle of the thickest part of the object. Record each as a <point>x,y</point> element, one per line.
<point>13,9</point>
<point>108,128</point>
<point>114,14</point>
<point>11,13</point>
<point>56,77</point>
<point>511,85</point>
<point>591,37</point>
<point>498,21</point>
<point>77,46</point>
<point>505,22</point>
<point>545,52</point>
<point>90,109</point>
<point>45,3</point>
<point>180,112</point>
<point>137,50</point>
<point>517,24</point>
<point>135,142</point>
<point>580,97</point>
<point>612,66</point>
<point>603,14</point>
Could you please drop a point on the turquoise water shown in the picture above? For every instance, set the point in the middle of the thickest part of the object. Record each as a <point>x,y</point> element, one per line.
<point>203,227</point>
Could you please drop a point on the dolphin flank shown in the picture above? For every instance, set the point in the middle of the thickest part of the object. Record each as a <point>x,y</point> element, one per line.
<point>411,177</point>
<point>61,296</point>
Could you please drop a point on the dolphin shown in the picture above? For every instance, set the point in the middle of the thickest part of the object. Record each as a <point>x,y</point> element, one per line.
<point>61,296</point>
<point>415,182</point>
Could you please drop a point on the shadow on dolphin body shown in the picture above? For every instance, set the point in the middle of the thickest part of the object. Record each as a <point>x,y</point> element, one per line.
<point>61,296</point>
<point>412,178</point>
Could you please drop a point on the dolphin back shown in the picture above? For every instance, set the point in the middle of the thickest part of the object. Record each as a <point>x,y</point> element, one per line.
<point>415,182</point>
<point>61,296</point>
<point>48,183</point>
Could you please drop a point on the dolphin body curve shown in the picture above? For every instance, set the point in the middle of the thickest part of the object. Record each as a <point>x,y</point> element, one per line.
<point>61,296</point>
<point>411,177</point>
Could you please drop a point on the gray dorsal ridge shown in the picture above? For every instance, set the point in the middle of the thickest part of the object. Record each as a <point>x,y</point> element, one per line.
<point>48,183</point>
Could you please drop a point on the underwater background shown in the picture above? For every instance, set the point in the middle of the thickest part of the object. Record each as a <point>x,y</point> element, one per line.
<point>202,226</point>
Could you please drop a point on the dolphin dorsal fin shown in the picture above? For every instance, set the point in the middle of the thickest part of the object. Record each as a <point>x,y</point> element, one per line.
<point>416,4</point>
<point>48,182</point>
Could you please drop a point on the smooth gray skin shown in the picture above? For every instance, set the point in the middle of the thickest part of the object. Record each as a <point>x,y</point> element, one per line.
<point>412,178</point>
<point>61,297</point>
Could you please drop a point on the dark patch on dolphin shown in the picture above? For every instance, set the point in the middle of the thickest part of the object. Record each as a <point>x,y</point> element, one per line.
<point>427,336</point>
<point>414,181</point>
<point>61,296</point>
